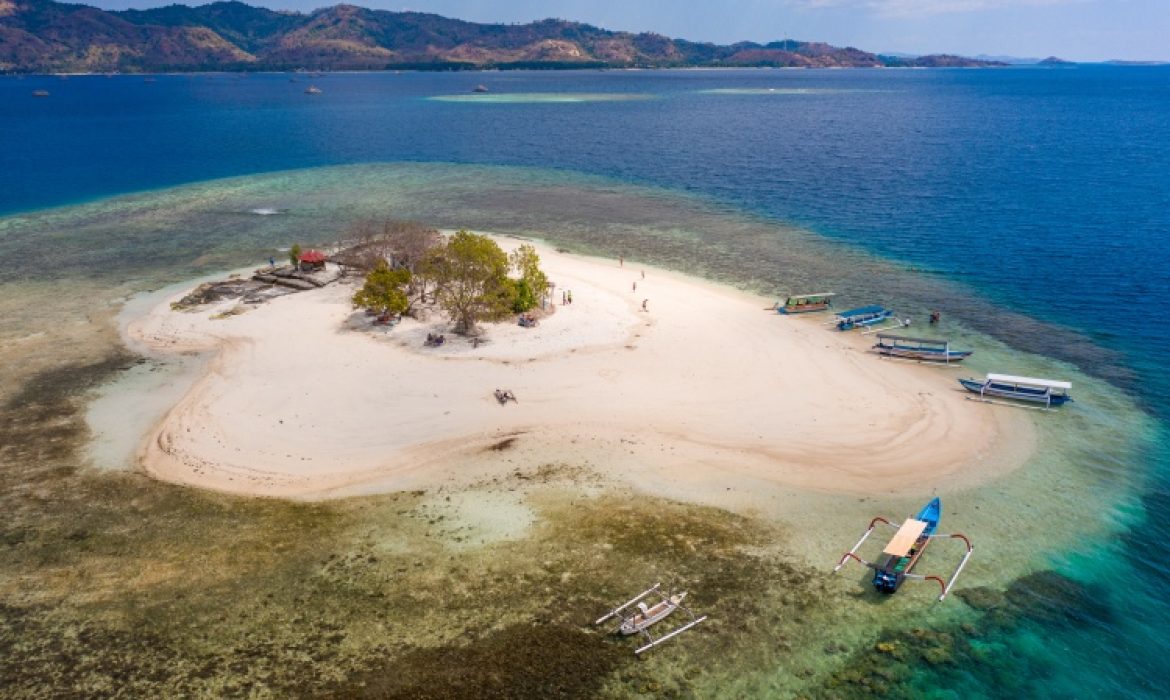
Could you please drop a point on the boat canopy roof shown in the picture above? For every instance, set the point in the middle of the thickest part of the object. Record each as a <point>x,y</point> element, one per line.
<point>862,310</point>
<point>792,297</point>
<point>1030,381</point>
<point>908,339</point>
<point>905,537</point>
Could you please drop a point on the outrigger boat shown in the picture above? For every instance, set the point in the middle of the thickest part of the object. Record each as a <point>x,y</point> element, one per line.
<point>919,349</point>
<point>905,549</point>
<point>1049,392</point>
<point>863,317</point>
<point>805,303</point>
<point>640,621</point>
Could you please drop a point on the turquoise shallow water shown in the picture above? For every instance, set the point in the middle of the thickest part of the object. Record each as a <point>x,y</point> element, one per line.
<point>1013,200</point>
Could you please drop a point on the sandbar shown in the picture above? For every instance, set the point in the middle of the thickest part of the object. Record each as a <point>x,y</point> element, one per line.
<point>301,398</point>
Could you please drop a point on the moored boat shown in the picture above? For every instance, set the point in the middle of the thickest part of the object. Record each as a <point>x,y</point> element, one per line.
<point>862,317</point>
<point>904,550</point>
<point>1049,392</point>
<point>648,615</point>
<point>919,349</point>
<point>805,303</point>
<point>639,622</point>
<point>312,90</point>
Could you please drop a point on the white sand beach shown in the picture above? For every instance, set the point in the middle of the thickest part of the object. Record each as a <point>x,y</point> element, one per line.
<point>301,399</point>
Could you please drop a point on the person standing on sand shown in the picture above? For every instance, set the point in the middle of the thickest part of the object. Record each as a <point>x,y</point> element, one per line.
<point>621,261</point>
<point>570,297</point>
<point>562,297</point>
<point>635,286</point>
<point>643,274</point>
<point>644,303</point>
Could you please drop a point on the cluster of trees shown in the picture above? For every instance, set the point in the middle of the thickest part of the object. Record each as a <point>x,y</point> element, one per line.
<point>466,275</point>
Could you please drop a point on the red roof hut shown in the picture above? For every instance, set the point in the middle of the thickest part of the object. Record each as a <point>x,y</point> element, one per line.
<point>312,260</point>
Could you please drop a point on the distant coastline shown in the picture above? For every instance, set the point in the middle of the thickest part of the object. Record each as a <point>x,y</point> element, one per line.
<point>43,36</point>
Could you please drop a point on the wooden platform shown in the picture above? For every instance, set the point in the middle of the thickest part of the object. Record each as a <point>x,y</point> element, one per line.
<point>905,537</point>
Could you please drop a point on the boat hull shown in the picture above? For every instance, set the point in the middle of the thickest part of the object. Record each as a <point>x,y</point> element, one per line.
<point>1015,393</point>
<point>923,355</point>
<point>649,616</point>
<point>802,309</point>
<point>849,324</point>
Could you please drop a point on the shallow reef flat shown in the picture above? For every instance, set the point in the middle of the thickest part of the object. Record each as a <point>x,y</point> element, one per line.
<point>114,584</point>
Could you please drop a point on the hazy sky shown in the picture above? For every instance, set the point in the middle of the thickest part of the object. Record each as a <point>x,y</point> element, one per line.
<point>1075,29</point>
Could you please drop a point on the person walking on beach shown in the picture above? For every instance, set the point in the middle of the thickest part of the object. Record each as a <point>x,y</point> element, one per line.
<point>621,261</point>
<point>272,263</point>
<point>644,305</point>
<point>562,297</point>
<point>570,297</point>
<point>635,286</point>
<point>643,274</point>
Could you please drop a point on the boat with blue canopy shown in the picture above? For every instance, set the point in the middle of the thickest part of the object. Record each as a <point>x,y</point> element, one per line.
<point>805,303</point>
<point>1049,392</point>
<point>862,317</point>
<point>919,349</point>
<point>905,548</point>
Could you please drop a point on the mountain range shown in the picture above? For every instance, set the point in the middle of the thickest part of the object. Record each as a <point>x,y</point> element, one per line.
<point>46,36</point>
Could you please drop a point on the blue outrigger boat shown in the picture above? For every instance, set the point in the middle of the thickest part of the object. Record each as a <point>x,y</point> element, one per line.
<point>904,550</point>
<point>862,317</point>
<point>1030,389</point>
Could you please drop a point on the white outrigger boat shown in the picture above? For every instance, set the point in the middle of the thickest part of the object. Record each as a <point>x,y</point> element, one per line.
<point>639,622</point>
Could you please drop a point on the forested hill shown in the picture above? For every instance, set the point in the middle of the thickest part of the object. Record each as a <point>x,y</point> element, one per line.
<point>47,36</point>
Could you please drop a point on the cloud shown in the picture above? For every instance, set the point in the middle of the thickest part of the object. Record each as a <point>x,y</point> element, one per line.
<point>917,8</point>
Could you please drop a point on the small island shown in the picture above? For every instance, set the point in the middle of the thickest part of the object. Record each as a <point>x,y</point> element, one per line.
<point>444,359</point>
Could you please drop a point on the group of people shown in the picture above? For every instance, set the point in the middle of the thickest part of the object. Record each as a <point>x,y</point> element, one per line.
<point>566,297</point>
<point>504,396</point>
<point>528,320</point>
<point>434,340</point>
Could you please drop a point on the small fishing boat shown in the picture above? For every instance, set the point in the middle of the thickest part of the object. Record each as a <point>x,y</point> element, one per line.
<point>904,550</point>
<point>863,317</point>
<point>312,90</point>
<point>647,615</point>
<point>918,349</point>
<point>1049,392</point>
<point>805,303</point>
<point>906,547</point>
<point>479,88</point>
<point>40,93</point>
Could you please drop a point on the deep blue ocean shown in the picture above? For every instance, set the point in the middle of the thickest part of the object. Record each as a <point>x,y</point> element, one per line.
<point>1046,191</point>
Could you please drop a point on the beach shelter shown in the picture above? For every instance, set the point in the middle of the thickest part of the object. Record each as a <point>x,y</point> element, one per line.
<point>312,259</point>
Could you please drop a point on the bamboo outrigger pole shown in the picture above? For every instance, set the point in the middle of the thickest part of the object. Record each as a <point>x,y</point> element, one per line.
<point>628,603</point>
<point>853,552</point>
<point>665,637</point>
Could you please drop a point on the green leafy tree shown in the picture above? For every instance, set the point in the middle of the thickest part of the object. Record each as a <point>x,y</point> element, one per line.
<point>524,299</point>
<point>384,290</point>
<point>294,254</point>
<point>533,282</point>
<point>471,280</point>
